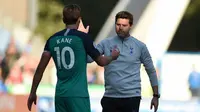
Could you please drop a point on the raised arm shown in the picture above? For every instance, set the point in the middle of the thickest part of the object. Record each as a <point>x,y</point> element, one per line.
<point>93,53</point>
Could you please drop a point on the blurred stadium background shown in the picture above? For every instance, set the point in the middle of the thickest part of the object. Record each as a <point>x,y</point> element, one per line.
<point>169,28</point>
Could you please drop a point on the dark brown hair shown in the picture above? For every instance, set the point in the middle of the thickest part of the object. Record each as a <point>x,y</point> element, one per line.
<point>71,14</point>
<point>124,15</point>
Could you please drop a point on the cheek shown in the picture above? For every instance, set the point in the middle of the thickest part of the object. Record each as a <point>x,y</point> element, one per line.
<point>117,28</point>
<point>126,29</point>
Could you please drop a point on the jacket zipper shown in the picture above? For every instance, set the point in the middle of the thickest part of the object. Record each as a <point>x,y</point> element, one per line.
<point>122,44</point>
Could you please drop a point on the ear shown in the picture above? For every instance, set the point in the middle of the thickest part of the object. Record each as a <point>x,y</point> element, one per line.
<point>63,20</point>
<point>78,21</point>
<point>131,26</point>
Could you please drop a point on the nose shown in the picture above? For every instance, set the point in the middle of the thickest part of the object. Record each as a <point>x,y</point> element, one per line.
<point>120,27</point>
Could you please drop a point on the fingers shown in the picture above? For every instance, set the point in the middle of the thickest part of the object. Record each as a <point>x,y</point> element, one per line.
<point>82,28</point>
<point>116,50</point>
<point>35,101</point>
<point>29,104</point>
<point>155,107</point>
<point>155,110</point>
<point>81,23</point>
<point>87,28</point>
<point>154,103</point>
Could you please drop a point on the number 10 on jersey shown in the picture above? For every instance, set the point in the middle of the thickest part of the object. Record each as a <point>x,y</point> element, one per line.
<point>61,59</point>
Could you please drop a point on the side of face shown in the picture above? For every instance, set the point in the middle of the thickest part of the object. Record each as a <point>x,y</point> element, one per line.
<point>122,27</point>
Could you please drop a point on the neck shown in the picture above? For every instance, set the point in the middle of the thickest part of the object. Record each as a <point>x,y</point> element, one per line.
<point>124,37</point>
<point>127,36</point>
<point>74,26</point>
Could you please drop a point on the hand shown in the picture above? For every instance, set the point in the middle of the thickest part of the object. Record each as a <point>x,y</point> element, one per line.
<point>32,98</point>
<point>154,102</point>
<point>115,53</point>
<point>82,28</point>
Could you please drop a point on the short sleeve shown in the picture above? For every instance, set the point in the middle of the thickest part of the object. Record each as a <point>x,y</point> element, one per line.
<point>90,48</point>
<point>100,47</point>
<point>46,47</point>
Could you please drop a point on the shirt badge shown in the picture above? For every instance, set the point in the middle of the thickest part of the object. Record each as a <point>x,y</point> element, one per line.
<point>131,50</point>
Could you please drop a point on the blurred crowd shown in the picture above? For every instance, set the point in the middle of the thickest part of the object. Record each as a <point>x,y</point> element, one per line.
<point>95,74</point>
<point>17,66</point>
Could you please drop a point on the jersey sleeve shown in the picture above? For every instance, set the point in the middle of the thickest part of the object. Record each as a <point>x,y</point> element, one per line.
<point>100,46</point>
<point>46,47</point>
<point>90,48</point>
<point>148,64</point>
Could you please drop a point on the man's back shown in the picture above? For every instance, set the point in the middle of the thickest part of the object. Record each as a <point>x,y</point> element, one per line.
<point>67,48</point>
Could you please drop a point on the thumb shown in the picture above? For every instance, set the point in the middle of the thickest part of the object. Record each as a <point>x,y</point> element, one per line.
<point>151,106</point>
<point>81,23</point>
<point>87,28</point>
<point>35,101</point>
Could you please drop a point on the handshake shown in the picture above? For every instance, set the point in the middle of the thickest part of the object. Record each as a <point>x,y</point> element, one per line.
<point>115,53</point>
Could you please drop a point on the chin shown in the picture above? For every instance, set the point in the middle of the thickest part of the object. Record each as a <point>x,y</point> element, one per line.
<point>122,36</point>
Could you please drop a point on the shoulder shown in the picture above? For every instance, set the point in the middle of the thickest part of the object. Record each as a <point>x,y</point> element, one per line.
<point>59,33</point>
<point>138,42</point>
<point>78,33</point>
<point>107,40</point>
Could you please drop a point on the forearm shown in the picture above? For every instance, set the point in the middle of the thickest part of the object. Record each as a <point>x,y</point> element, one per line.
<point>149,66</point>
<point>152,76</point>
<point>39,71</point>
<point>36,80</point>
<point>89,59</point>
<point>153,79</point>
<point>104,60</point>
<point>107,59</point>
<point>155,89</point>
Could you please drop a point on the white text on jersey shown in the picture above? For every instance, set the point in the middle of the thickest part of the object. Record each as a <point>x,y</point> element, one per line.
<point>64,40</point>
